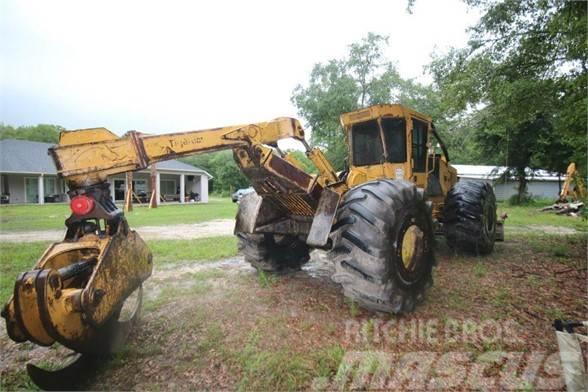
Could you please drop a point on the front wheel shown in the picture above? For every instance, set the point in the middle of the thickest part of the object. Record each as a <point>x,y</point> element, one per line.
<point>272,252</point>
<point>383,246</point>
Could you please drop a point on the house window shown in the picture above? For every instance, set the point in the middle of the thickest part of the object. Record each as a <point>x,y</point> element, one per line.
<point>140,186</point>
<point>49,186</point>
<point>31,189</point>
<point>168,187</point>
<point>4,184</point>
<point>119,189</point>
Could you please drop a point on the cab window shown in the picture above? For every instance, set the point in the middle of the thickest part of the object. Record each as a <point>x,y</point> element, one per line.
<point>419,145</point>
<point>367,144</point>
<point>395,138</point>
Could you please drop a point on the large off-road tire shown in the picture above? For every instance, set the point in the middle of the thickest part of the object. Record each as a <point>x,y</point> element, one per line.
<point>272,252</point>
<point>469,217</point>
<point>383,246</point>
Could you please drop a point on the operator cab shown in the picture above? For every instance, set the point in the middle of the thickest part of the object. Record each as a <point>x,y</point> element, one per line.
<point>393,141</point>
<point>387,141</point>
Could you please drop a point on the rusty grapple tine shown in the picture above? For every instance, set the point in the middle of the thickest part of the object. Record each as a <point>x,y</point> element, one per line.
<point>70,377</point>
<point>81,367</point>
<point>115,333</point>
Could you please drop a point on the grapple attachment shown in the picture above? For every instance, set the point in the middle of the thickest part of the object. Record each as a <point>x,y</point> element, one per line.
<point>75,293</point>
<point>72,291</point>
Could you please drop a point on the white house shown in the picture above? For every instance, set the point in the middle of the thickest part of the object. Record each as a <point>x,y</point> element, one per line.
<point>27,171</point>
<point>541,183</point>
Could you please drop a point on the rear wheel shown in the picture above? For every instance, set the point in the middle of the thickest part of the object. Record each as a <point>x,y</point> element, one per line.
<point>383,246</point>
<point>469,217</point>
<point>272,252</point>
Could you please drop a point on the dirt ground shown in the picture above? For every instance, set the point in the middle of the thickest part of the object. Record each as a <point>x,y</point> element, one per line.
<point>212,228</point>
<point>220,326</point>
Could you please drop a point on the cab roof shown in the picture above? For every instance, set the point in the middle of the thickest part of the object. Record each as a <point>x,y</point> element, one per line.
<point>376,111</point>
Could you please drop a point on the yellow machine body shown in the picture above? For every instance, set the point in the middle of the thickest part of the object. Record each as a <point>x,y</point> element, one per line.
<point>78,285</point>
<point>573,186</point>
<point>88,156</point>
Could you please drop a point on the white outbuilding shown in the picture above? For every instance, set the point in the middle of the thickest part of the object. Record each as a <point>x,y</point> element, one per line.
<point>541,183</point>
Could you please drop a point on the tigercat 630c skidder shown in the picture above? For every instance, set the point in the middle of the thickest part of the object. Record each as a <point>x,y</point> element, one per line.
<point>376,219</point>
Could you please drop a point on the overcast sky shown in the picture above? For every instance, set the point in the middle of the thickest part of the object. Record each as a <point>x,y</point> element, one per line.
<point>170,66</point>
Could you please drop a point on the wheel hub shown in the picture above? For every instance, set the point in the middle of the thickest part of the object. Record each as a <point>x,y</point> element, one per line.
<point>412,247</point>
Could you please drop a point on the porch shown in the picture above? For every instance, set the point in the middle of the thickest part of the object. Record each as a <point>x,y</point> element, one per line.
<point>168,187</point>
<point>18,188</point>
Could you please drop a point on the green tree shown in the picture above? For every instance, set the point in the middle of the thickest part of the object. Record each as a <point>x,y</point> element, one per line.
<point>226,174</point>
<point>374,76</point>
<point>330,92</point>
<point>39,133</point>
<point>364,77</point>
<point>227,177</point>
<point>304,161</point>
<point>521,84</point>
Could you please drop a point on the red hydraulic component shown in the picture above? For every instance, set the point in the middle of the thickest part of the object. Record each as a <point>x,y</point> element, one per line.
<point>81,205</point>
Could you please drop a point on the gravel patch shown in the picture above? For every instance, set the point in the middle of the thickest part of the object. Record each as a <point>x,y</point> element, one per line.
<point>217,227</point>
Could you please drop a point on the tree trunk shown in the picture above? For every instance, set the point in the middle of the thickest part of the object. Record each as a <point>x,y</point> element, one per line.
<point>522,189</point>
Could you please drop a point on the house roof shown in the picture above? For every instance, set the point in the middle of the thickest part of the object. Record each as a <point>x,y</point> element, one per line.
<point>494,172</point>
<point>24,156</point>
<point>175,165</point>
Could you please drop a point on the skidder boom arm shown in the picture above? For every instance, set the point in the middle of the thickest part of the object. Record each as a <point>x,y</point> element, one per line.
<point>88,156</point>
<point>288,196</point>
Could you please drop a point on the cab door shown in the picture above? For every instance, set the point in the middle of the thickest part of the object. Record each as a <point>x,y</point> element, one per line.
<point>419,142</point>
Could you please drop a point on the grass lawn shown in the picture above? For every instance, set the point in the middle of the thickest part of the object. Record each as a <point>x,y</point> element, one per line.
<point>171,251</point>
<point>530,215</point>
<point>16,258</point>
<point>52,216</point>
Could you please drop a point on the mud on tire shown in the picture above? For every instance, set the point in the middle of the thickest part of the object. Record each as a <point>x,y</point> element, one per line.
<point>372,230</point>
<point>469,217</point>
<point>272,252</point>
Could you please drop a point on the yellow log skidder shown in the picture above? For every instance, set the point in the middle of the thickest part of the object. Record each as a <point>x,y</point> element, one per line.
<point>376,219</point>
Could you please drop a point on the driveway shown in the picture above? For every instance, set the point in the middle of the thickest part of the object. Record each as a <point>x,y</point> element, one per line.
<point>212,228</point>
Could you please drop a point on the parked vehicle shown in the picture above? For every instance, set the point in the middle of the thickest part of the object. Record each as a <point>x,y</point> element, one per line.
<point>240,193</point>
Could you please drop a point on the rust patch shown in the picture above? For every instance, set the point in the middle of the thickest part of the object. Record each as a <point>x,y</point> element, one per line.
<point>323,219</point>
<point>285,169</point>
<point>137,142</point>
